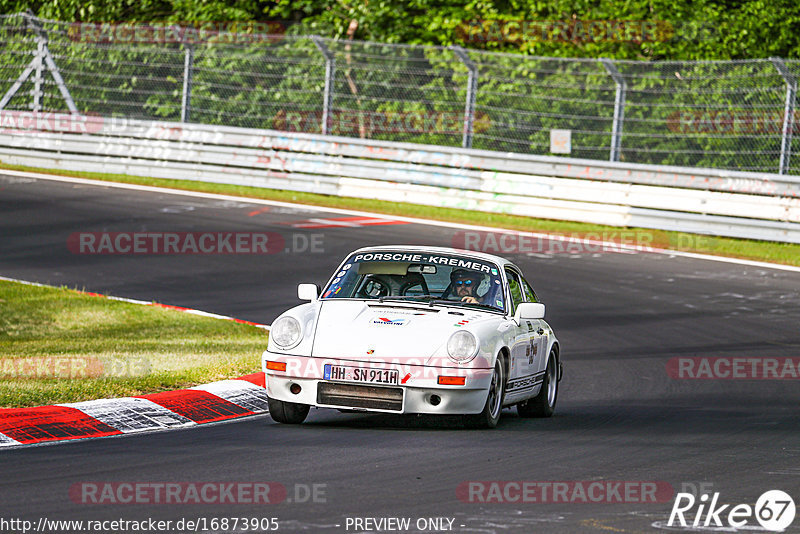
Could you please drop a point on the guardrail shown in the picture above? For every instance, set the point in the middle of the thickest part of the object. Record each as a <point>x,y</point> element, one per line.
<point>706,201</point>
<point>737,115</point>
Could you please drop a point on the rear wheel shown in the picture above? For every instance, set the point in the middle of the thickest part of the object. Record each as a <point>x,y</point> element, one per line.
<point>490,415</point>
<point>543,404</point>
<point>288,412</point>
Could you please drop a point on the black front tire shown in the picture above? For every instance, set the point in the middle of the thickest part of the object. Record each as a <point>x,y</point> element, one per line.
<point>543,404</point>
<point>289,413</point>
<point>490,415</point>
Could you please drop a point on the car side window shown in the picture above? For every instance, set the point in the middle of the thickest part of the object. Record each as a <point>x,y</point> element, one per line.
<point>515,287</point>
<point>529,292</point>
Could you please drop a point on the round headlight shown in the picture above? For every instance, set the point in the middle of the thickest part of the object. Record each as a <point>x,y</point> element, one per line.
<point>285,332</point>
<point>462,346</point>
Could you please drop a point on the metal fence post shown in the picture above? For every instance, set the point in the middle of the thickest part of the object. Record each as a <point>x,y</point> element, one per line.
<point>186,99</point>
<point>37,64</point>
<point>36,92</point>
<point>45,58</point>
<point>330,76</point>
<point>788,113</point>
<point>619,108</point>
<point>472,90</point>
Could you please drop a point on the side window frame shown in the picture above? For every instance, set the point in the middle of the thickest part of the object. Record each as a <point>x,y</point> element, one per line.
<point>512,273</point>
<point>530,293</point>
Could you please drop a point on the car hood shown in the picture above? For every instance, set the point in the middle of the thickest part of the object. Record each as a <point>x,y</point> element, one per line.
<point>386,332</point>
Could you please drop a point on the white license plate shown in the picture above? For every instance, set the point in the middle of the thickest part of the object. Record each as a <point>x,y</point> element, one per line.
<point>360,374</point>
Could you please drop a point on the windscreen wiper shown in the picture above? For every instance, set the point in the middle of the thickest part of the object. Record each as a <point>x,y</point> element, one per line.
<point>404,298</point>
<point>480,305</point>
<point>460,303</point>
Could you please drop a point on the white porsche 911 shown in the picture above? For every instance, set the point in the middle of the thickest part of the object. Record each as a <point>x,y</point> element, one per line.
<point>409,329</point>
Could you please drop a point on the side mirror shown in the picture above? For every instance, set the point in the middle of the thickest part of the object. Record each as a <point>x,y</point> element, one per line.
<point>308,291</point>
<point>529,311</point>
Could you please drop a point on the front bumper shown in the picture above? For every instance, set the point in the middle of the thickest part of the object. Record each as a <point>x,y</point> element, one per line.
<point>419,391</point>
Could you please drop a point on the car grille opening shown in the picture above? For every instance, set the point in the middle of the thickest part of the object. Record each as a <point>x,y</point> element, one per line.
<point>358,396</point>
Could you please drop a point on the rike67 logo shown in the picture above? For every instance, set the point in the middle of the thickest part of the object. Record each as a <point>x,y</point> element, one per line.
<point>774,511</point>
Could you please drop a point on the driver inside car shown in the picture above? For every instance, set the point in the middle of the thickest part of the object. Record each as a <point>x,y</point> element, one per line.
<point>465,285</point>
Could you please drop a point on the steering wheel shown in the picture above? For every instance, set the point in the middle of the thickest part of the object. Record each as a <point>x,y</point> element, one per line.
<point>414,283</point>
<point>373,288</point>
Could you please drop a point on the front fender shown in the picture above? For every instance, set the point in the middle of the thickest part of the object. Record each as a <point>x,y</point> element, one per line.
<point>306,314</point>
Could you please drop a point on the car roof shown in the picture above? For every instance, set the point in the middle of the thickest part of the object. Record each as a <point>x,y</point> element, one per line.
<point>440,250</point>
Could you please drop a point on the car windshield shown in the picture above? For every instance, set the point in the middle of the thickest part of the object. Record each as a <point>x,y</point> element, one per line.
<point>418,276</point>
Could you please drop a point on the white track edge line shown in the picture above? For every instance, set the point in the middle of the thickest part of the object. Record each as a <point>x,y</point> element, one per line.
<point>413,220</point>
<point>146,303</point>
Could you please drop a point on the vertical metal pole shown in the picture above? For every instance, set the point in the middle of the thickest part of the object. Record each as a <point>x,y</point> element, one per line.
<point>36,92</point>
<point>788,113</point>
<point>330,77</point>
<point>42,59</point>
<point>328,95</point>
<point>619,109</point>
<point>186,100</point>
<point>25,73</point>
<point>472,91</point>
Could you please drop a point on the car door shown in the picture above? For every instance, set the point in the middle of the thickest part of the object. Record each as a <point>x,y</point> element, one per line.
<point>539,336</point>
<point>521,376</point>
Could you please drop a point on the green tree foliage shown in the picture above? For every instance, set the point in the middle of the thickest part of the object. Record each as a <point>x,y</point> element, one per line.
<point>688,29</point>
<point>679,110</point>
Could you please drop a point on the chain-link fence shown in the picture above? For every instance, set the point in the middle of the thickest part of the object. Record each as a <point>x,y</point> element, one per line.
<point>723,114</point>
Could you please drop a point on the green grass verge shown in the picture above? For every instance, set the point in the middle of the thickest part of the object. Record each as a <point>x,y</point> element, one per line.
<point>58,345</point>
<point>786,253</point>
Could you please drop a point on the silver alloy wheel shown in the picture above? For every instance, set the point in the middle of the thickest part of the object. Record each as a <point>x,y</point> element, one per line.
<point>496,389</point>
<point>552,383</point>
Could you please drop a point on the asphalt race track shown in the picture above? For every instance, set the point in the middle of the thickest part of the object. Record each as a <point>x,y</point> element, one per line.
<point>620,416</point>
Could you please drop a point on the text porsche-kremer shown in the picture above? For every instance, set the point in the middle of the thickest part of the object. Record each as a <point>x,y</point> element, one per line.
<point>409,329</point>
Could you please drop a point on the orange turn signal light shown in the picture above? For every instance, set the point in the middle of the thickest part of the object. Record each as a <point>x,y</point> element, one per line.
<point>276,366</point>
<point>452,380</point>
